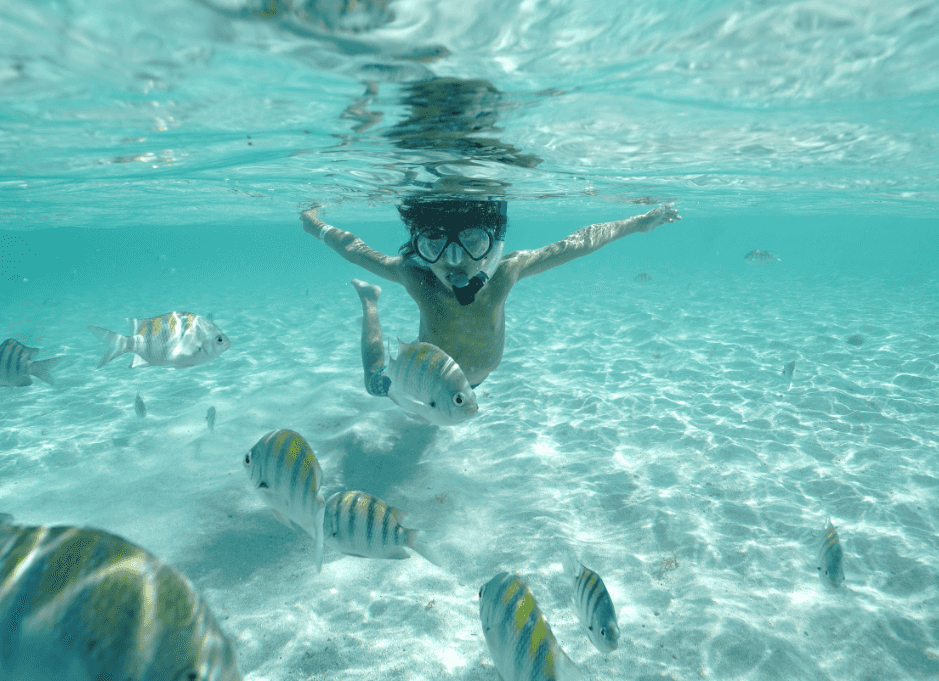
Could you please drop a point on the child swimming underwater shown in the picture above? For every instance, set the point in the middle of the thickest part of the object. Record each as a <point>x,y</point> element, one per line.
<point>454,268</point>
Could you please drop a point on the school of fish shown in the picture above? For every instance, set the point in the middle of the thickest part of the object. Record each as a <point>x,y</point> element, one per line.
<point>80,604</point>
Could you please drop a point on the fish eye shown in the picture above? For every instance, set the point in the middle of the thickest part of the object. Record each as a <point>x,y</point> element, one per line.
<point>458,399</point>
<point>219,339</point>
<point>248,457</point>
<point>433,404</point>
<point>603,632</point>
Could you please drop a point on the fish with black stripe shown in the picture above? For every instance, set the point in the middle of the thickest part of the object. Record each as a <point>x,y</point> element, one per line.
<point>359,524</point>
<point>17,366</point>
<point>428,383</point>
<point>175,339</point>
<point>285,472</point>
<point>518,635</point>
<point>831,557</point>
<point>79,604</point>
<point>593,604</point>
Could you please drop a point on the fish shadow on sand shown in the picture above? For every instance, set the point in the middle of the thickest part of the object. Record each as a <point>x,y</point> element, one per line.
<point>376,456</point>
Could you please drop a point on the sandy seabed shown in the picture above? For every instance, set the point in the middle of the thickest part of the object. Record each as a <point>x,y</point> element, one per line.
<point>644,425</point>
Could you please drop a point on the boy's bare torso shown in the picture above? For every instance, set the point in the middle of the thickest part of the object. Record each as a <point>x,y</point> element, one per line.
<point>473,335</point>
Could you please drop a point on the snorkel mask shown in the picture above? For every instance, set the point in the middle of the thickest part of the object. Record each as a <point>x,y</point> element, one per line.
<point>475,242</point>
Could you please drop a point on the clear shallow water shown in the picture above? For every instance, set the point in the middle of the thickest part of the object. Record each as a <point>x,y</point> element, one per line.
<point>186,113</point>
<point>647,426</point>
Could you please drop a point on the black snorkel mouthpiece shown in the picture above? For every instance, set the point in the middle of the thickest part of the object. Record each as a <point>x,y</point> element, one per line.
<point>467,294</point>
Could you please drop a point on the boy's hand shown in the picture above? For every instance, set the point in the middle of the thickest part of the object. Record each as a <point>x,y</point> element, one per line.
<point>655,217</point>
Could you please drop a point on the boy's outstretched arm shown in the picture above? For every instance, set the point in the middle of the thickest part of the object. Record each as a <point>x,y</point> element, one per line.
<point>588,240</point>
<point>352,248</point>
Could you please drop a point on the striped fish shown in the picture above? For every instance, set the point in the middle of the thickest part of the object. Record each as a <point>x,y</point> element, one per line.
<point>593,605</point>
<point>759,257</point>
<point>286,474</point>
<point>17,366</point>
<point>362,525</point>
<point>83,605</point>
<point>176,339</point>
<point>789,370</point>
<point>210,419</point>
<point>519,637</point>
<point>831,557</point>
<point>429,384</point>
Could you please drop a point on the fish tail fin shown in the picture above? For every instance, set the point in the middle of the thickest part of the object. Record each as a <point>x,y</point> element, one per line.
<point>117,344</point>
<point>572,566</point>
<point>318,539</point>
<point>42,369</point>
<point>420,541</point>
<point>565,668</point>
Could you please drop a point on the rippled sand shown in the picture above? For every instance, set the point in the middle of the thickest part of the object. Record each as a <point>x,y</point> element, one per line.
<point>647,426</point>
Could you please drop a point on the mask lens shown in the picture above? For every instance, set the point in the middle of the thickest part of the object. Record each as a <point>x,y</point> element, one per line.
<point>430,246</point>
<point>476,242</point>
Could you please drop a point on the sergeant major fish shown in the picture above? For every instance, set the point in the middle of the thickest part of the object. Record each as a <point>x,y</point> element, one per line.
<point>17,366</point>
<point>427,382</point>
<point>518,635</point>
<point>288,477</point>
<point>139,406</point>
<point>362,525</point>
<point>210,419</point>
<point>176,339</point>
<point>592,604</point>
<point>82,605</point>
<point>759,257</point>
<point>789,370</point>
<point>831,557</point>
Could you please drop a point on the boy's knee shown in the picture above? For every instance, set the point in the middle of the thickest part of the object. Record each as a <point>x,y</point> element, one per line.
<point>377,384</point>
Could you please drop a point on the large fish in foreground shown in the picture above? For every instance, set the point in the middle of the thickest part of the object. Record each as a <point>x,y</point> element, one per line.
<point>84,605</point>
<point>288,477</point>
<point>428,383</point>
<point>175,339</point>
<point>17,366</point>
<point>359,524</point>
<point>519,638</point>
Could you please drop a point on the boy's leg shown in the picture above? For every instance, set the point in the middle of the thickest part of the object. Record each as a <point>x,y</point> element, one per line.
<point>373,352</point>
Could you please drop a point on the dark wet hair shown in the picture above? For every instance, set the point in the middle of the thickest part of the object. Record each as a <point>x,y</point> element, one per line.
<point>419,215</point>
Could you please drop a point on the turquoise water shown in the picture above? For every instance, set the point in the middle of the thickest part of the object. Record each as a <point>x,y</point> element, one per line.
<point>155,157</point>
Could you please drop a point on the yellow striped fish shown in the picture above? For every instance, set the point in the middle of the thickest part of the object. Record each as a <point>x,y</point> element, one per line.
<point>429,384</point>
<point>175,339</point>
<point>17,366</point>
<point>831,557</point>
<point>288,477</point>
<point>519,638</point>
<point>82,605</point>
<point>362,525</point>
<point>593,605</point>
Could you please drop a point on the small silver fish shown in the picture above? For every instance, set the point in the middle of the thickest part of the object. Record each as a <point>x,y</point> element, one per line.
<point>140,407</point>
<point>17,366</point>
<point>80,604</point>
<point>593,605</point>
<point>359,524</point>
<point>176,339</point>
<point>288,477</point>
<point>210,419</point>
<point>831,557</point>
<point>518,635</point>
<point>788,370</point>
<point>759,257</point>
<point>429,384</point>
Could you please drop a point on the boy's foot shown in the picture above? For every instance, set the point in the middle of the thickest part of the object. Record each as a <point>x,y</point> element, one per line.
<point>365,290</point>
